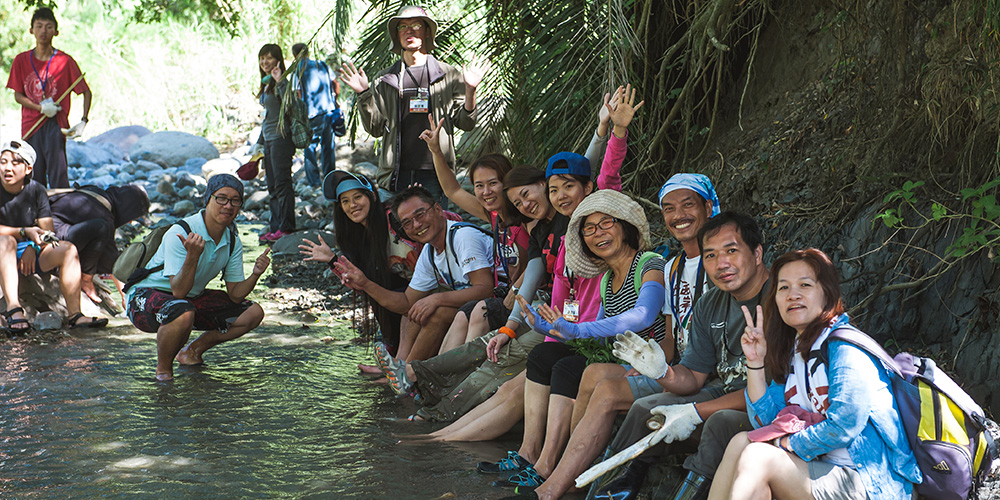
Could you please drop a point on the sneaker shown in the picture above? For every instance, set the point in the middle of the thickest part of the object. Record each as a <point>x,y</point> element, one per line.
<point>513,463</point>
<point>264,238</point>
<point>525,477</point>
<point>275,236</point>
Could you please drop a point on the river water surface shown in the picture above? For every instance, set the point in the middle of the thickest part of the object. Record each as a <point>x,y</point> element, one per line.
<point>275,414</point>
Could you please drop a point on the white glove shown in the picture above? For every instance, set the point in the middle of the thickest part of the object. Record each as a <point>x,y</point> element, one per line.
<point>679,422</point>
<point>74,131</point>
<point>646,357</point>
<point>256,151</point>
<point>49,107</point>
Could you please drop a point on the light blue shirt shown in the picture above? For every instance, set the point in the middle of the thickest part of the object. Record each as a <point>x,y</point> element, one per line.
<point>862,417</point>
<point>215,258</point>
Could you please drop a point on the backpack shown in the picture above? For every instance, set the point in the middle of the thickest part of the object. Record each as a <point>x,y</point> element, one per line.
<point>130,266</point>
<point>636,278</point>
<point>946,429</point>
<point>451,246</point>
<point>294,113</point>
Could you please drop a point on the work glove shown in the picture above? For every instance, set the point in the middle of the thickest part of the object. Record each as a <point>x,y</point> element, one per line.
<point>74,131</point>
<point>256,151</point>
<point>679,421</point>
<point>646,357</point>
<point>49,107</point>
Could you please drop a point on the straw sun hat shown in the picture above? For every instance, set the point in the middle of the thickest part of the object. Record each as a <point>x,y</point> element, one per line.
<point>613,203</point>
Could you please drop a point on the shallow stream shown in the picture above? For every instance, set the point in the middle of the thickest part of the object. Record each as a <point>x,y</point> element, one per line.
<point>275,414</point>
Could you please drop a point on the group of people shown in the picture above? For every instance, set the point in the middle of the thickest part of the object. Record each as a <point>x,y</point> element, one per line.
<point>558,314</point>
<point>60,230</point>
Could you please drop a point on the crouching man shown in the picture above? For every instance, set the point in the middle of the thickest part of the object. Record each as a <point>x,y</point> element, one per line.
<point>172,301</point>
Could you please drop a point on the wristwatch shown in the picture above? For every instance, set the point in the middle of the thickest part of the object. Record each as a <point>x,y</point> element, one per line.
<point>24,234</point>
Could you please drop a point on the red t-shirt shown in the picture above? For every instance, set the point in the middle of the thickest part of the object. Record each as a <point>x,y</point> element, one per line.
<point>46,79</point>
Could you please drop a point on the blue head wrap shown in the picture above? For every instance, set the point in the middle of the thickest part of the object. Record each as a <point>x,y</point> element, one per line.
<point>339,182</point>
<point>695,182</point>
<point>219,181</point>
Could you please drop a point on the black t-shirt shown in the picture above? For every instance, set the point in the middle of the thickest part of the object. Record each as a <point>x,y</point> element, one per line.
<point>413,152</point>
<point>544,242</point>
<point>25,208</point>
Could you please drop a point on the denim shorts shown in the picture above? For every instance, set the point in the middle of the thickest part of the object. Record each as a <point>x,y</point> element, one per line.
<point>642,385</point>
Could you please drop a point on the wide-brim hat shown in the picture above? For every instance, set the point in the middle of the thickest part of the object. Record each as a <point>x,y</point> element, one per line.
<point>606,201</point>
<point>411,12</point>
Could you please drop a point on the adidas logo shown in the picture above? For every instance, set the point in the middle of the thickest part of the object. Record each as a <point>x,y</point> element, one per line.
<point>942,467</point>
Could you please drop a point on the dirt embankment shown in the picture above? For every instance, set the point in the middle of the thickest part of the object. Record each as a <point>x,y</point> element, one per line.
<point>844,103</point>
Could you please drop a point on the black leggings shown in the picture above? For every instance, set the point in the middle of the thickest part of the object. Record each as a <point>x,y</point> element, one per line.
<point>558,366</point>
<point>95,242</point>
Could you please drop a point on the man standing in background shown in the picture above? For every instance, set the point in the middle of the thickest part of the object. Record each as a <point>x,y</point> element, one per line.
<point>39,77</point>
<point>315,85</point>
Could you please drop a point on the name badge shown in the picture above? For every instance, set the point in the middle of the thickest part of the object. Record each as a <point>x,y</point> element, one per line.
<point>571,310</point>
<point>420,103</point>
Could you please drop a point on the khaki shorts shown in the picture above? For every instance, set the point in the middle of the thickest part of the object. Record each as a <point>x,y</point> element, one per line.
<point>834,482</point>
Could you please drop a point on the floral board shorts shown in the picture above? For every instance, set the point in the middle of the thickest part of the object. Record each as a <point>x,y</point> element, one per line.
<point>149,308</point>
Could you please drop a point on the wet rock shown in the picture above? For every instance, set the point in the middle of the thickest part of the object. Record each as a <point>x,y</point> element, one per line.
<point>166,188</point>
<point>255,201</point>
<point>184,207</point>
<point>49,320</point>
<point>147,166</point>
<point>184,180</point>
<point>122,137</point>
<point>91,156</point>
<point>289,244</point>
<point>187,192</point>
<point>171,149</point>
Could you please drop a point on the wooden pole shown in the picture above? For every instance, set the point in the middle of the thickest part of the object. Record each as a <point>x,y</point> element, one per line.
<point>43,118</point>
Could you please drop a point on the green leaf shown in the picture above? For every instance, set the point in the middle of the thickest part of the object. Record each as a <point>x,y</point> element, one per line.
<point>938,211</point>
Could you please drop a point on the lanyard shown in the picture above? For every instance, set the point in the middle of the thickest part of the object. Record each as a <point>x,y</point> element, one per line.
<point>500,240</point>
<point>46,80</point>
<point>416,81</point>
<point>448,278</point>
<point>675,285</point>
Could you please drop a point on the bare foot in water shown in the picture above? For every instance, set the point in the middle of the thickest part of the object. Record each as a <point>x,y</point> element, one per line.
<point>369,369</point>
<point>163,377</point>
<point>87,285</point>
<point>189,357</point>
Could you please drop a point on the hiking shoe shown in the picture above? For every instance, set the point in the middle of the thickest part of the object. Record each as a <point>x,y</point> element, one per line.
<point>275,236</point>
<point>513,463</point>
<point>398,380</point>
<point>385,360</point>
<point>525,477</point>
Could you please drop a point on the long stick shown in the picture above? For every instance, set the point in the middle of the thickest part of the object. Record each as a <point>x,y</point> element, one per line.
<point>43,117</point>
<point>621,457</point>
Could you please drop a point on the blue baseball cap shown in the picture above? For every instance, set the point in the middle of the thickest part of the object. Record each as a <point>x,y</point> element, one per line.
<point>568,162</point>
<point>698,183</point>
<point>339,182</point>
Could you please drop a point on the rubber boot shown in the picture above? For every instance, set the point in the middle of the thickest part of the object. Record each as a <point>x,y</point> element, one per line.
<point>694,487</point>
<point>627,485</point>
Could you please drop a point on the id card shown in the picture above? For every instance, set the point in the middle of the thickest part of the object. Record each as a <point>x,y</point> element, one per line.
<point>420,103</point>
<point>571,310</point>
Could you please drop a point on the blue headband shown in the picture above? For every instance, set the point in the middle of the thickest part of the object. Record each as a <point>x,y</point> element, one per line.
<point>349,184</point>
<point>695,182</point>
<point>219,181</point>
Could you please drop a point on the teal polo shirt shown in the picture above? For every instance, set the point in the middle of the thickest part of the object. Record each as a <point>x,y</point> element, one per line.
<point>215,258</point>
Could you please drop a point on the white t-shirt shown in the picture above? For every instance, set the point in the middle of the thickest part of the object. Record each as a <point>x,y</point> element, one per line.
<point>679,299</point>
<point>473,251</point>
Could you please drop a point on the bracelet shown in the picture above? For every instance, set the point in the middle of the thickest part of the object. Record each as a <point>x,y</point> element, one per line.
<point>24,234</point>
<point>85,119</point>
<point>754,367</point>
<point>507,331</point>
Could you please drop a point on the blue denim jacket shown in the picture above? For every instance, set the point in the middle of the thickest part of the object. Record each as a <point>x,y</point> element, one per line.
<point>862,417</point>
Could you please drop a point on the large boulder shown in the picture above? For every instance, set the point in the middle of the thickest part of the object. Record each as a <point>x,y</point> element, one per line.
<point>91,156</point>
<point>172,149</point>
<point>226,165</point>
<point>122,137</point>
<point>289,244</point>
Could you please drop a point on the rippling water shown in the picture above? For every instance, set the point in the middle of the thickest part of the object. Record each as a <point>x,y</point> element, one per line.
<point>275,414</point>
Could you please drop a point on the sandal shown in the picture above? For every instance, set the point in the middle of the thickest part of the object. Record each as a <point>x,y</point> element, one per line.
<point>525,477</point>
<point>398,380</point>
<point>16,321</point>
<point>74,321</point>
<point>385,360</point>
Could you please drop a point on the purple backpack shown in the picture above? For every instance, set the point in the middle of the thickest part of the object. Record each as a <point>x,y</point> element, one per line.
<point>946,429</point>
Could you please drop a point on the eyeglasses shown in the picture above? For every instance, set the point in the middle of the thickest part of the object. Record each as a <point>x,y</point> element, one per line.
<point>222,200</point>
<point>419,214</point>
<point>417,26</point>
<point>605,224</point>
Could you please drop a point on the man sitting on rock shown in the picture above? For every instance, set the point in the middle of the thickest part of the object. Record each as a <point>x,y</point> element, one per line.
<point>27,244</point>
<point>457,261</point>
<point>172,301</point>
